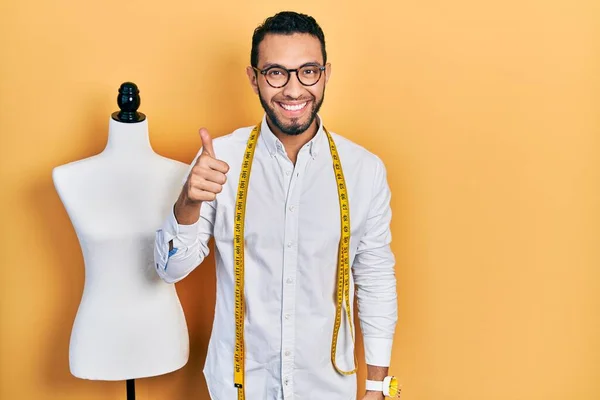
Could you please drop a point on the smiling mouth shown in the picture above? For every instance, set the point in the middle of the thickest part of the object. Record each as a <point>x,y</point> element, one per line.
<point>293,107</point>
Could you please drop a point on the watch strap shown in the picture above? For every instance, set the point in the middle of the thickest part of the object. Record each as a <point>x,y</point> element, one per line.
<point>376,386</point>
<point>389,386</point>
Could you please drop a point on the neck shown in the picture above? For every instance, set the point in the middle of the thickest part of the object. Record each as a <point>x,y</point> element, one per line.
<point>129,139</point>
<point>293,143</point>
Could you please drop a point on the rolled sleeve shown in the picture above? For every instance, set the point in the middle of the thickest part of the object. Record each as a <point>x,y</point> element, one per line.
<point>190,245</point>
<point>378,351</point>
<point>374,276</point>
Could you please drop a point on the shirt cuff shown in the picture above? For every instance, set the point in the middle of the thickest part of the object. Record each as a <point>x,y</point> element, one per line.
<point>181,235</point>
<point>378,351</point>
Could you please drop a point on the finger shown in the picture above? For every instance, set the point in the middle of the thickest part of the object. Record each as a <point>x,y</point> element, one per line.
<point>217,165</point>
<point>202,185</point>
<point>207,144</point>
<point>197,195</point>
<point>210,175</point>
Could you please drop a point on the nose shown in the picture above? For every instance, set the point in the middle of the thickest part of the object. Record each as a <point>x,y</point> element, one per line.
<point>294,88</point>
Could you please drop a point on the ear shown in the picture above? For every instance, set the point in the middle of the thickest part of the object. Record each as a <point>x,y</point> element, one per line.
<point>327,72</point>
<point>252,78</point>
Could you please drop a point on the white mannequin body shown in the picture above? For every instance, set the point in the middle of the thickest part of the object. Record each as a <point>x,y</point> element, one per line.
<point>130,324</point>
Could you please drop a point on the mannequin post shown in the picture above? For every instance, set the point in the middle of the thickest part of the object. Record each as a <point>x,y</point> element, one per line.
<point>129,101</point>
<point>130,389</point>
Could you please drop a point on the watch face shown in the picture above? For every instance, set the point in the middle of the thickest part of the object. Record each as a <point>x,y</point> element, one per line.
<point>394,389</point>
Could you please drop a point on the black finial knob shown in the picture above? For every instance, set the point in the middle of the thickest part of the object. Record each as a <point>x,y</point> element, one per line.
<point>129,101</point>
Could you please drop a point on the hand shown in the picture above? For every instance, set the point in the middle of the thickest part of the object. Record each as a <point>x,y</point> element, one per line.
<point>205,181</point>
<point>207,177</point>
<point>371,395</point>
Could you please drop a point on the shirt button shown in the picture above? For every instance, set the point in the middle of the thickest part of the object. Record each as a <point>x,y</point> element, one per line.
<point>292,208</point>
<point>286,381</point>
<point>287,316</point>
<point>290,244</point>
<point>288,173</point>
<point>287,353</point>
<point>289,280</point>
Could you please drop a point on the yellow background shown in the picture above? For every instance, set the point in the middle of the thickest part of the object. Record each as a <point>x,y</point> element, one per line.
<point>486,113</point>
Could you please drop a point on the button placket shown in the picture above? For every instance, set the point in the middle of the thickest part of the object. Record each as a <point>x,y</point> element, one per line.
<point>289,273</point>
<point>289,295</point>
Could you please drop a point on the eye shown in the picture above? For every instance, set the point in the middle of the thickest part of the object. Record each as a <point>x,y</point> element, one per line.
<point>275,73</point>
<point>310,70</point>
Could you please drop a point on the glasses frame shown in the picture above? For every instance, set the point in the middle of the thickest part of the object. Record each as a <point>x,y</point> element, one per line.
<point>264,72</point>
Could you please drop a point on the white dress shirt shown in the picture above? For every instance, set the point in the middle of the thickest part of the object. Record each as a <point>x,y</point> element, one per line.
<point>292,234</point>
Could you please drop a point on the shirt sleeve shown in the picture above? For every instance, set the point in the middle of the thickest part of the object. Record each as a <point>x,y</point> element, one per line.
<point>374,276</point>
<point>190,242</point>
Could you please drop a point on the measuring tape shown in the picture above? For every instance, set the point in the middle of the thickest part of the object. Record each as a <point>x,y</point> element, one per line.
<point>343,265</point>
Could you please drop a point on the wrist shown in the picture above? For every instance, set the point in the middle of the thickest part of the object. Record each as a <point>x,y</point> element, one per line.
<point>186,211</point>
<point>374,395</point>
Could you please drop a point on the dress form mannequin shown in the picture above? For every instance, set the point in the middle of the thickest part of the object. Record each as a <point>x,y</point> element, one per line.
<point>130,324</point>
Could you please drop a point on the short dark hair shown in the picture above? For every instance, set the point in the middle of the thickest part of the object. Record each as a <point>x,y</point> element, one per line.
<point>286,23</point>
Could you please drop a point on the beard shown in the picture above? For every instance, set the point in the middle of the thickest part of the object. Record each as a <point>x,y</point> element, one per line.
<point>295,127</point>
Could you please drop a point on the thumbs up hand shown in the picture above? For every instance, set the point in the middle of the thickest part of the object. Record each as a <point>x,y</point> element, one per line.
<point>207,177</point>
<point>204,182</point>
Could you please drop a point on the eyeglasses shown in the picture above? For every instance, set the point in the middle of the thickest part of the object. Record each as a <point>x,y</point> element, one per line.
<point>277,76</point>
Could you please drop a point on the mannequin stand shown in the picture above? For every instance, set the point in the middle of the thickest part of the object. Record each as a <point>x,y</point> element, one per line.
<point>101,195</point>
<point>130,389</point>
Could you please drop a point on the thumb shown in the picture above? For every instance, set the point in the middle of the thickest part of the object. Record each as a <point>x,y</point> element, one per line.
<point>207,144</point>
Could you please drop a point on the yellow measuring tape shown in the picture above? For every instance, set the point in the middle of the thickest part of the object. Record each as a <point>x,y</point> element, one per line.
<point>343,267</point>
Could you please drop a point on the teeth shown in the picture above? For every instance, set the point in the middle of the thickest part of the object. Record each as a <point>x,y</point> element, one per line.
<point>295,107</point>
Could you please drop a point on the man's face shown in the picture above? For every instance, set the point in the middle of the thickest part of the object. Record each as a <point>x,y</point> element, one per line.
<point>292,108</point>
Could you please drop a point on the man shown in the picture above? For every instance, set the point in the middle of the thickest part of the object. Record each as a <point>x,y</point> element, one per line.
<point>281,328</point>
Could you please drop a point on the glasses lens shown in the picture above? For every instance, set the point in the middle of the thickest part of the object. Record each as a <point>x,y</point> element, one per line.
<point>309,74</point>
<point>276,76</point>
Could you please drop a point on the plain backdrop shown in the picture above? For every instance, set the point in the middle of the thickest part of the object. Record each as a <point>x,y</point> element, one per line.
<point>486,114</point>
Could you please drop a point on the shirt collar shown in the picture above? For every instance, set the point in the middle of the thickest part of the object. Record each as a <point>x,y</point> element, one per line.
<point>274,144</point>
